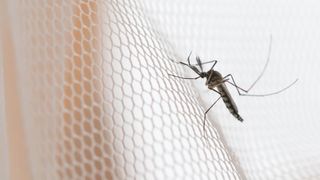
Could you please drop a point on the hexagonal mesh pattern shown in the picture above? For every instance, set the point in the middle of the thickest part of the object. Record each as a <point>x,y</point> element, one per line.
<point>98,102</point>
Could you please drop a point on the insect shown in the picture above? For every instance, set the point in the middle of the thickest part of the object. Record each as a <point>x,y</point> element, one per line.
<point>216,82</point>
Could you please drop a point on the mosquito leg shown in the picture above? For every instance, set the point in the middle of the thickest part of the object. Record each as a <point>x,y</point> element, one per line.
<point>215,62</point>
<point>216,91</point>
<point>179,62</point>
<point>239,89</point>
<point>183,77</point>
<point>260,75</point>
<point>233,83</point>
<point>205,114</point>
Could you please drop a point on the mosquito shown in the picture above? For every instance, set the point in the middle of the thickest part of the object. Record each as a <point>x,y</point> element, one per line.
<point>216,82</point>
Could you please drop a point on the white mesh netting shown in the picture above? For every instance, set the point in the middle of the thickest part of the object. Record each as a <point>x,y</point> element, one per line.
<point>98,103</point>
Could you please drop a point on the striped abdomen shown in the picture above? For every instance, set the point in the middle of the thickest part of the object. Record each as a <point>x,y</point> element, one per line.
<point>228,101</point>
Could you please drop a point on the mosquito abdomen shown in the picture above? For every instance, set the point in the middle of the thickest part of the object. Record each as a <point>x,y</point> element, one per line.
<point>228,101</point>
<point>236,115</point>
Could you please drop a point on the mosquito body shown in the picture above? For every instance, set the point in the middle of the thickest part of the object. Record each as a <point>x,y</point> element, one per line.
<point>216,82</point>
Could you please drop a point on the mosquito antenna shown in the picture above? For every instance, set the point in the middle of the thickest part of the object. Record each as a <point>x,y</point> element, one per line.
<point>260,95</point>
<point>265,66</point>
<point>183,77</point>
<point>188,65</point>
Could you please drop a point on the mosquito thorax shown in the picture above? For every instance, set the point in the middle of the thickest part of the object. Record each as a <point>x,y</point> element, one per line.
<point>214,74</point>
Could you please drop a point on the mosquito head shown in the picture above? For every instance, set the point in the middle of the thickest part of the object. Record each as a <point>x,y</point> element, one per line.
<point>203,74</point>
